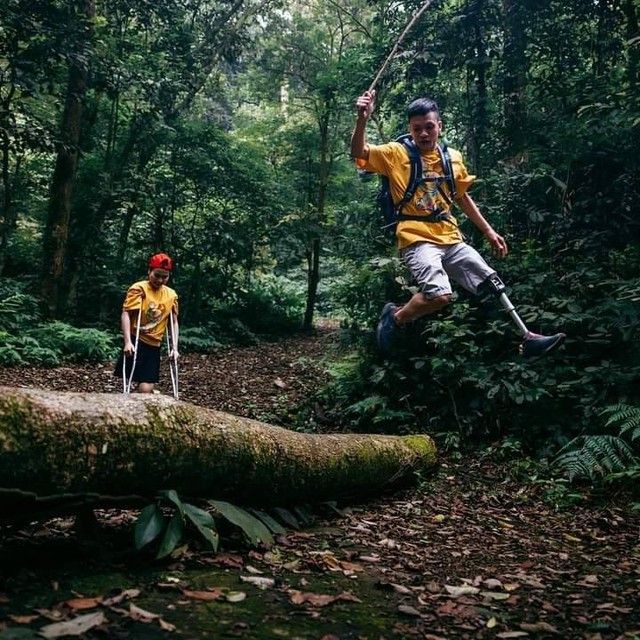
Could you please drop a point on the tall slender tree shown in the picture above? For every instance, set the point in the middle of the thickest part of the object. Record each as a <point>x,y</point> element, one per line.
<point>57,228</point>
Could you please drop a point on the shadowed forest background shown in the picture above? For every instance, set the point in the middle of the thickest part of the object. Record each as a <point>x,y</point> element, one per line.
<point>218,132</point>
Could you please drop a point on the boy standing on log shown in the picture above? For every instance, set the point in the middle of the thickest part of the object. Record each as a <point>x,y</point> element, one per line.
<point>429,240</point>
<point>147,309</point>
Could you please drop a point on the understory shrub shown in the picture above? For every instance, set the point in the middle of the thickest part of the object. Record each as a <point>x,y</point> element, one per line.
<point>26,340</point>
<point>606,456</point>
<point>75,344</point>
<point>198,340</point>
<point>459,370</point>
<point>273,304</point>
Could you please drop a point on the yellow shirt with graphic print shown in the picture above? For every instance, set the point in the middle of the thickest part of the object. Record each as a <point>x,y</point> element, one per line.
<point>392,160</point>
<point>156,304</point>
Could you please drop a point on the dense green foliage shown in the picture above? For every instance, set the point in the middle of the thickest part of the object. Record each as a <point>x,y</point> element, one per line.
<point>219,133</point>
<point>25,339</point>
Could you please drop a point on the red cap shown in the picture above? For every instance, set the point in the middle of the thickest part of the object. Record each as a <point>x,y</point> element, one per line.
<point>161,261</point>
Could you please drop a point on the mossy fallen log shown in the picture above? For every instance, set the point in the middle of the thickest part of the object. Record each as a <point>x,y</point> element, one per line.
<point>106,444</point>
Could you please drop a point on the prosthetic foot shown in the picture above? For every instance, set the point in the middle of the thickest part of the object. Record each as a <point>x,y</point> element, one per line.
<point>533,344</point>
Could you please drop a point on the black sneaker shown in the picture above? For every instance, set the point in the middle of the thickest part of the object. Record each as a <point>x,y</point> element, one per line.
<point>387,331</point>
<point>534,345</point>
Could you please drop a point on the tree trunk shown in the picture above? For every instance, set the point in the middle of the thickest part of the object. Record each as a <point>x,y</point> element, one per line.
<point>633,48</point>
<point>478,127</point>
<point>313,278</point>
<point>57,230</point>
<point>8,210</point>
<point>515,72</point>
<point>72,443</point>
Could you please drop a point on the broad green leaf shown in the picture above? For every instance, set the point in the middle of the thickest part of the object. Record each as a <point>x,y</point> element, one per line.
<point>273,525</point>
<point>198,516</point>
<point>253,528</point>
<point>149,525</point>
<point>287,517</point>
<point>172,536</point>
<point>332,507</point>
<point>172,496</point>
<point>304,513</point>
<point>210,535</point>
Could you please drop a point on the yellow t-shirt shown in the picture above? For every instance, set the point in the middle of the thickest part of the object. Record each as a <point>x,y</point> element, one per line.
<point>392,160</point>
<point>157,304</point>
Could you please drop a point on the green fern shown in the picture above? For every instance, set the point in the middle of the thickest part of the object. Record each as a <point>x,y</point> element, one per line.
<point>626,416</point>
<point>75,344</point>
<point>17,311</point>
<point>588,457</point>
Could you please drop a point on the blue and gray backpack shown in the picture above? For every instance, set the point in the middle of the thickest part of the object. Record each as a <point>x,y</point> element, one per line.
<point>392,211</point>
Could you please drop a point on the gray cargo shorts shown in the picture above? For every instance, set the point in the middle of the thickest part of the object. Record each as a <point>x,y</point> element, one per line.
<point>432,265</point>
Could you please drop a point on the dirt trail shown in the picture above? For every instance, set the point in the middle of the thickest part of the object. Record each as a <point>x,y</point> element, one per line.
<point>263,381</point>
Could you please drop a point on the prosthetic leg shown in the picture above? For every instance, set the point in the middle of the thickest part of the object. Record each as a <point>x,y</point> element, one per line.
<point>173,355</point>
<point>533,344</point>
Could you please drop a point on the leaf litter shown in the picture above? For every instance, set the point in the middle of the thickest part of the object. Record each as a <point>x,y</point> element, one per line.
<point>460,556</point>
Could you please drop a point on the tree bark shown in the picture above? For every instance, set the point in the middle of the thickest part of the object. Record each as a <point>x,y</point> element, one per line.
<point>93,443</point>
<point>57,229</point>
<point>313,279</point>
<point>515,75</point>
<point>633,49</point>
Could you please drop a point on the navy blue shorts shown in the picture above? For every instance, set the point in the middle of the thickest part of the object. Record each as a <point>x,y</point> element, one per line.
<point>147,364</point>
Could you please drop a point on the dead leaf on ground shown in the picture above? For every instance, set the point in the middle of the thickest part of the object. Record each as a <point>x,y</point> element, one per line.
<point>259,581</point>
<point>235,596</point>
<point>319,599</point>
<point>571,538</point>
<point>51,614</point>
<point>166,626</point>
<point>126,594</point>
<point>456,592</point>
<point>371,558</point>
<point>78,604</point>
<point>538,627</point>
<point>492,583</point>
<point>400,588</point>
<point>140,615</point>
<point>23,619</point>
<point>75,627</point>
<point>205,596</point>
<point>409,610</point>
<point>495,595</point>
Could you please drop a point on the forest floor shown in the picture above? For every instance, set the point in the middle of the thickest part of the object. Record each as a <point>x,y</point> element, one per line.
<point>475,551</point>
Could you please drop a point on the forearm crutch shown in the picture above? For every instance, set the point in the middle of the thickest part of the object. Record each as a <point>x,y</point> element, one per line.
<point>126,381</point>
<point>172,348</point>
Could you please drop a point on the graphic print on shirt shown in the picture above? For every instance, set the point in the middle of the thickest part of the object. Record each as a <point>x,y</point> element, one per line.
<point>152,317</point>
<point>428,198</point>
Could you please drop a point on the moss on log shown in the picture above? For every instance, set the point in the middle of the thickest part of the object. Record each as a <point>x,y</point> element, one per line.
<point>73,443</point>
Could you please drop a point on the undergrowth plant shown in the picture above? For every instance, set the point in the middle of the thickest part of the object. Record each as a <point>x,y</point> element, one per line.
<point>459,370</point>
<point>26,340</point>
<point>605,456</point>
<point>167,525</point>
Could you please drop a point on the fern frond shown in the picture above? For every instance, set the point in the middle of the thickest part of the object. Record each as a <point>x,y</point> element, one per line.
<point>587,457</point>
<point>626,417</point>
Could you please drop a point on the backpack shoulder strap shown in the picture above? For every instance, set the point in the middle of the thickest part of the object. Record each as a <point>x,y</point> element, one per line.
<point>415,172</point>
<point>447,166</point>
